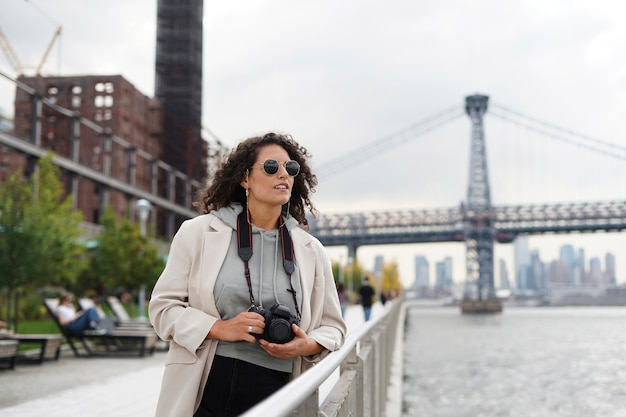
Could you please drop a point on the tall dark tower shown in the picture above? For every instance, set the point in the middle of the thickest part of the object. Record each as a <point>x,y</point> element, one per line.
<point>179,86</point>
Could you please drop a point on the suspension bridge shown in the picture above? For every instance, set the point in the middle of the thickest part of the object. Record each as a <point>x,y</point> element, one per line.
<point>476,222</point>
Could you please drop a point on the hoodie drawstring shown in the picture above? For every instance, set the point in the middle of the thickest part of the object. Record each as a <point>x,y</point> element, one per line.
<point>275,235</point>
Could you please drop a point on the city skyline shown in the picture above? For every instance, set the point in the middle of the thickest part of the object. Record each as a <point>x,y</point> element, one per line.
<point>418,260</point>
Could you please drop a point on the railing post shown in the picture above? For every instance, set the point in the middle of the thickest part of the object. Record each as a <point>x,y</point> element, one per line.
<point>309,407</point>
<point>368,380</point>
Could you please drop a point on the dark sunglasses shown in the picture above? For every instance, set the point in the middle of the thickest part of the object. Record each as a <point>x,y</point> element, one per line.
<point>270,166</point>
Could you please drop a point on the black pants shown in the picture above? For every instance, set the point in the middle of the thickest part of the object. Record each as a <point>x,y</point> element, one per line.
<point>235,386</point>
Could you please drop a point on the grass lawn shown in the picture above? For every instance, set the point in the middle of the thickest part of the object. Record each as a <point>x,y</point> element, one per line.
<point>36,327</point>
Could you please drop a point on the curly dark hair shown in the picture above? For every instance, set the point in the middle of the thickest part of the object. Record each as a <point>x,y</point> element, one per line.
<point>225,187</point>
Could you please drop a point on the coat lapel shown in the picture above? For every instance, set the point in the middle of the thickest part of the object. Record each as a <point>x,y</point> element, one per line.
<point>214,248</point>
<point>305,259</point>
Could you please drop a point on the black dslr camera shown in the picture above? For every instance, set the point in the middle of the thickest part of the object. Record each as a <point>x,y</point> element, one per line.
<point>278,321</point>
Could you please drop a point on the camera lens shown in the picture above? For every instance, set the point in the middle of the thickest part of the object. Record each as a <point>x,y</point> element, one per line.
<point>280,331</point>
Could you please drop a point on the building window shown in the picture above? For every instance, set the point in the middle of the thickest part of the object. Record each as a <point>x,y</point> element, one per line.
<point>76,99</point>
<point>103,101</point>
<point>104,87</point>
<point>53,92</point>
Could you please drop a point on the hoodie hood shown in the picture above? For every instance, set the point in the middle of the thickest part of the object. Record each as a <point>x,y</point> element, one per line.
<point>229,215</point>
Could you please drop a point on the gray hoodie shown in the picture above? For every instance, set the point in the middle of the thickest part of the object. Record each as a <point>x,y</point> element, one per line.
<point>270,285</point>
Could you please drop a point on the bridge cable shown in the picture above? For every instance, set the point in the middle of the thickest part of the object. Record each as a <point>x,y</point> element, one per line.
<point>559,133</point>
<point>388,142</point>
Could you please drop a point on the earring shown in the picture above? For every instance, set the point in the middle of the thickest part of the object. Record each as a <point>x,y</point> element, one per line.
<point>247,206</point>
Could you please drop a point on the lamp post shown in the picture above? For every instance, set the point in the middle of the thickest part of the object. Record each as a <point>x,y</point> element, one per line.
<point>341,277</point>
<point>350,274</point>
<point>143,208</point>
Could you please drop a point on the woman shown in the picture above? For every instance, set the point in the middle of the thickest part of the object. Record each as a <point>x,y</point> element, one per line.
<point>227,269</point>
<point>77,322</point>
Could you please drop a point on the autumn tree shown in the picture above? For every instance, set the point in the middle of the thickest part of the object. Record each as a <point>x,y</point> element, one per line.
<point>390,277</point>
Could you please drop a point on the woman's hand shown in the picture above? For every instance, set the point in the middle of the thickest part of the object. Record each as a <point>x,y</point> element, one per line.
<point>238,328</point>
<point>301,345</point>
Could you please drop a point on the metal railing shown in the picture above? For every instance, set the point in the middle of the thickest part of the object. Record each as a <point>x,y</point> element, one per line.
<point>361,374</point>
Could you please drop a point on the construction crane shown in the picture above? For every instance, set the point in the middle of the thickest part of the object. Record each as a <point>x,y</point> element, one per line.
<point>57,33</point>
<point>14,60</point>
<point>12,57</point>
<point>10,54</point>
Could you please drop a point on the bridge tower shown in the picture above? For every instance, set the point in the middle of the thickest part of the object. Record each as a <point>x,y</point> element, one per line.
<point>478,218</point>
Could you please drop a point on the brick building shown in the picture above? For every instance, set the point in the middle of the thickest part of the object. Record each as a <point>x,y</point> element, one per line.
<point>110,102</point>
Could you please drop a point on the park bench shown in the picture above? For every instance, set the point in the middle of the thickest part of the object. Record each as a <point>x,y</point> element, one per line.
<point>118,342</point>
<point>48,346</point>
<point>8,352</point>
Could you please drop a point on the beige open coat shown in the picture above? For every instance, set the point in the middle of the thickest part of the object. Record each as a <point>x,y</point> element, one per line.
<point>182,307</point>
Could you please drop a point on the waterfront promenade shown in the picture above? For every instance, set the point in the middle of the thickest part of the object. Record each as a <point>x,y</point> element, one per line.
<point>93,387</point>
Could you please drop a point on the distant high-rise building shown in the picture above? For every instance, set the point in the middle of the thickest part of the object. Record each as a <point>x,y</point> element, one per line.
<point>504,275</point>
<point>558,273</point>
<point>581,260</point>
<point>422,278</point>
<point>595,271</point>
<point>178,85</point>
<point>443,275</point>
<point>609,269</point>
<point>567,256</point>
<point>378,265</point>
<point>522,261</point>
<point>536,278</point>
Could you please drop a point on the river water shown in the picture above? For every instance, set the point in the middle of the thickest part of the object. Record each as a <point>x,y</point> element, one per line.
<point>526,361</point>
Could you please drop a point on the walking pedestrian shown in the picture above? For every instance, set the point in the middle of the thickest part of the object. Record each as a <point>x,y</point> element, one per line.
<point>366,296</point>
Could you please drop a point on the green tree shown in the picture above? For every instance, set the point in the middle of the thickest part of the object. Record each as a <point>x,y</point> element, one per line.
<point>40,242</point>
<point>353,276</point>
<point>122,258</point>
<point>57,227</point>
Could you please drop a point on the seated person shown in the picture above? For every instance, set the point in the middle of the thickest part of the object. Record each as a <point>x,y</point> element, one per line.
<point>77,322</point>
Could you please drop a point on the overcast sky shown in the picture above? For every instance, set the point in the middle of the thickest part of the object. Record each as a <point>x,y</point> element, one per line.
<point>339,75</point>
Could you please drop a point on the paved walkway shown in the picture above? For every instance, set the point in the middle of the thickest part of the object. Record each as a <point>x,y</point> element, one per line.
<point>94,387</point>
